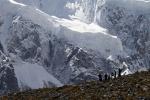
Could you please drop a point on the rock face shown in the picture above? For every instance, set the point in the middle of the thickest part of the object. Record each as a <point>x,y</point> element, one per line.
<point>57,56</point>
<point>8,81</point>
<point>131,25</point>
<point>129,20</point>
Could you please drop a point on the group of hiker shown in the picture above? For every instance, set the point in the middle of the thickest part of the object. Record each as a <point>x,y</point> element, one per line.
<point>110,76</point>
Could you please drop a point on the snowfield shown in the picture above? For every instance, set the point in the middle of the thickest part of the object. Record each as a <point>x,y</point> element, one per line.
<point>34,76</point>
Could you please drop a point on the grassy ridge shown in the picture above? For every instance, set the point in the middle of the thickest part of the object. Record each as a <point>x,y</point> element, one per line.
<point>131,87</point>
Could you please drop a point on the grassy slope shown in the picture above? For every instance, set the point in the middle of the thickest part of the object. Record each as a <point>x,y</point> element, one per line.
<point>131,87</point>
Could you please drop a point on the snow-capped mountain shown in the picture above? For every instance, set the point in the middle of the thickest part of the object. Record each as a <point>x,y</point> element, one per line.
<point>131,24</point>
<point>57,42</point>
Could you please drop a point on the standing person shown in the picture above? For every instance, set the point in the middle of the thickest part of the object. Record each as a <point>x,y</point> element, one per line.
<point>100,77</point>
<point>119,72</point>
<point>1,47</point>
<point>106,77</point>
<point>112,75</point>
<point>115,76</point>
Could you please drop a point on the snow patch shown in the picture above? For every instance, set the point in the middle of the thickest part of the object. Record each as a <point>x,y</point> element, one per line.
<point>16,3</point>
<point>33,76</point>
<point>126,72</point>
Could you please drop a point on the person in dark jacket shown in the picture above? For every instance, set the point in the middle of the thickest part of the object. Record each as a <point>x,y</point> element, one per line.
<point>112,75</point>
<point>100,77</point>
<point>119,72</point>
<point>115,74</point>
<point>1,47</point>
<point>106,76</point>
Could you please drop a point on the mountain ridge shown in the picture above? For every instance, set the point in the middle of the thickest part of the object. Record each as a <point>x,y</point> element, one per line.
<point>130,87</point>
